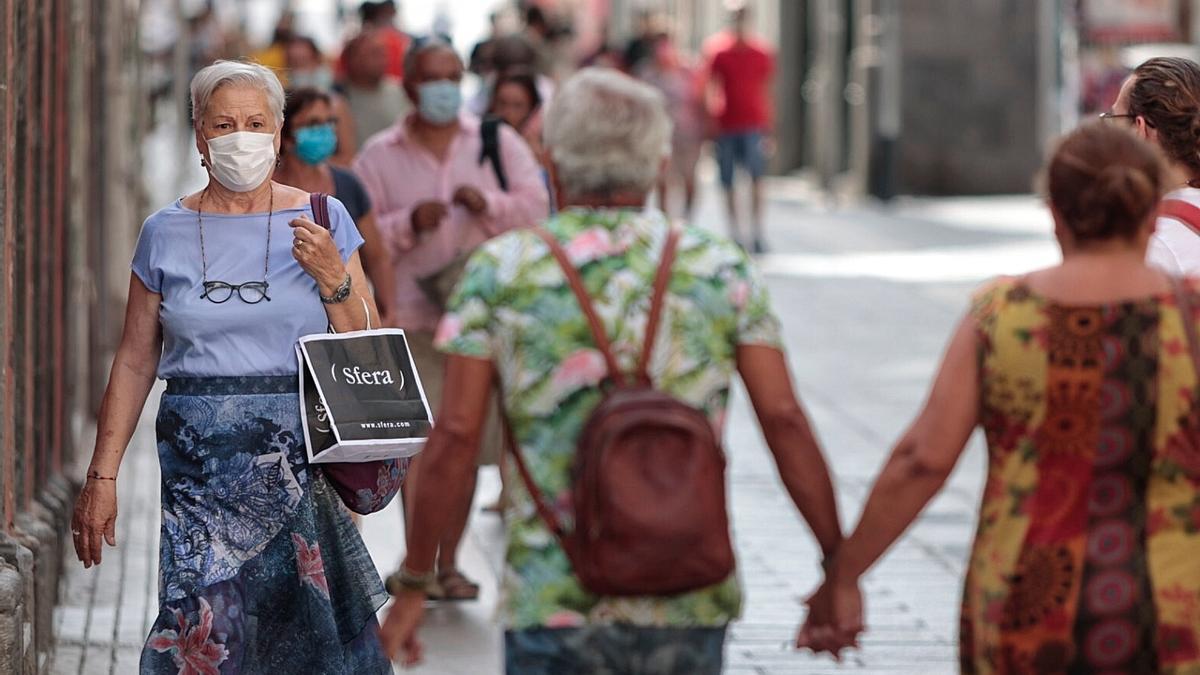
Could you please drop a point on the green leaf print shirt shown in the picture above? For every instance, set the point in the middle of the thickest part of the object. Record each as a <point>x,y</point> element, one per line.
<point>514,308</point>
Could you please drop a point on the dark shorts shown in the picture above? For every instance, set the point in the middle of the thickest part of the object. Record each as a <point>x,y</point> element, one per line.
<point>740,147</point>
<point>614,649</point>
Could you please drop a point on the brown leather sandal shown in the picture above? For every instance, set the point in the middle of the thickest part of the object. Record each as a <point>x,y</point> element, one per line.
<point>454,586</point>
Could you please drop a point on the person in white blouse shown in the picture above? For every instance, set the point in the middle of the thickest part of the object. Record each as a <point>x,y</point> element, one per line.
<point>1161,99</point>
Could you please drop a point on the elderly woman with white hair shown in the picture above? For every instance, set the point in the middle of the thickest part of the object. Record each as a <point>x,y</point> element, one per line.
<point>515,320</point>
<point>260,568</point>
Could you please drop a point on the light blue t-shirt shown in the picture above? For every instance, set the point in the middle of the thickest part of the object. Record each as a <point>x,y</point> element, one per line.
<point>205,339</point>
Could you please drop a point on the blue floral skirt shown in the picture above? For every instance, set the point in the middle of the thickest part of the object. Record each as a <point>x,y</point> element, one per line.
<point>261,569</point>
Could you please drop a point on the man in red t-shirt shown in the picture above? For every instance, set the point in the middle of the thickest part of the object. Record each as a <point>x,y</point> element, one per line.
<point>743,68</point>
<point>381,16</point>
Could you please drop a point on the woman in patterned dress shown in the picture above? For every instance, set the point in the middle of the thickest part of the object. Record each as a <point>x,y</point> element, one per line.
<point>1087,556</point>
<point>261,570</point>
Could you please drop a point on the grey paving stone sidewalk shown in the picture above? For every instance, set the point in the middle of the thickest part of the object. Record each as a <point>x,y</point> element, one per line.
<point>105,612</point>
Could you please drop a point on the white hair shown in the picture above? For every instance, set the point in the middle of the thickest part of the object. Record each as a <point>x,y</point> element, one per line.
<point>606,132</point>
<point>237,73</point>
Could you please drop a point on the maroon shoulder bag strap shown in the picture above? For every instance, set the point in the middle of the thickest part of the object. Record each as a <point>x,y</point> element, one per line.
<point>1185,212</point>
<point>575,281</point>
<point>320,208</point>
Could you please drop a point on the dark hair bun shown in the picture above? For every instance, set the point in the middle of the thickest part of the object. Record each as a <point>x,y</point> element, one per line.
<point>1104,181</point>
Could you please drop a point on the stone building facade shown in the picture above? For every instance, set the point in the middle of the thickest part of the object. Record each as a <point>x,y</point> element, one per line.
<point>908,96</point>
<point>69,200</point>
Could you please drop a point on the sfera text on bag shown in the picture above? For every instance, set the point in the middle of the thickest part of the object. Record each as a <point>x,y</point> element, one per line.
<point>377,378</point>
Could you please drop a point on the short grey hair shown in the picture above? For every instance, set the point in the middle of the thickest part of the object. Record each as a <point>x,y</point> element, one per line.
<point>606,133</point>
<point>419,48</point>
<point>237,73</point>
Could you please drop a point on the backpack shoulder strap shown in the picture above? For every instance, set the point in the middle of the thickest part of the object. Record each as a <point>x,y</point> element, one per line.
<point>585,303</point>
<point>1185,212</point>
<point>489,132</point>
<point>320,208</point>
<point>661,280</point>
<point>544,511</point>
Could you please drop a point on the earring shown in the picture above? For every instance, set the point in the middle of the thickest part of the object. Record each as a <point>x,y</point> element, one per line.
<point>203,163</point>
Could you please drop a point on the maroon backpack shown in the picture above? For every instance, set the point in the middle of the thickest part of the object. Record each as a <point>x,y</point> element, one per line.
<point>648,484</point>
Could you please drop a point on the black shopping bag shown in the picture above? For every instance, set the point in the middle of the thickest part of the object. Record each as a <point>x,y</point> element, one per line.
<point>362,396</point>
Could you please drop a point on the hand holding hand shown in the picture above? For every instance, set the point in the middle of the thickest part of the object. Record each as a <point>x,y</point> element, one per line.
<point>314,249</point>
<point>94,519</point>
<point>834,618</point>
<point>399,630</point>
<point>427,216</point>
<point>471,199</point>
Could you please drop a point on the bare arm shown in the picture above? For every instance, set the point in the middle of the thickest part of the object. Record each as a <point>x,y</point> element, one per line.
<point>449,455</point>
<point>318,255</point>
<point>446,465</point>
<point>921,461</point>
<point>797,453</point>
<point>350,315</point>
<point>377,264</point>
<point>133,373</point>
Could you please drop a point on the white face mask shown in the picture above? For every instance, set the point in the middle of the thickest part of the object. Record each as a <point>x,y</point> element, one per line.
<point>241,161</point>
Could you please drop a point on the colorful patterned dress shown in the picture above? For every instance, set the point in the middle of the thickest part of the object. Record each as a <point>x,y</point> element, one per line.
<point>1087,558</point>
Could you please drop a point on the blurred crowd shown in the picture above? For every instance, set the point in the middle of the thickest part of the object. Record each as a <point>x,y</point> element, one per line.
<point>512,74</point>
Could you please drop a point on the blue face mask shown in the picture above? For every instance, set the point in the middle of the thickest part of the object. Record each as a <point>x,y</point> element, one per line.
<point>439,101</point>
<point>315,144</point>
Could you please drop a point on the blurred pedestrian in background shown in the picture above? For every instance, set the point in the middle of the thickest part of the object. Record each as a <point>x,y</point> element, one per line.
<point>1084,379</point>
<point>436,199</point>
<point>515,99</point>
<point>538,34</point>
<point>380,17</point>
<point>640,47</point>
<point>308,68</point>
<point>375,98</point>
<point>509,54</point>
<point>682,87</point>
<point>481,62</point>
<point>1161,102</point>
<point>307,143</point>
<point>306,65</point>
<point>514,322</point>
<point>743,67</point>
<point>274,55</point>
<point>261,569</point>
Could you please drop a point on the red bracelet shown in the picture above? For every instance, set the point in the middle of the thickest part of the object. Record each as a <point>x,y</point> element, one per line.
<point>95,475</point>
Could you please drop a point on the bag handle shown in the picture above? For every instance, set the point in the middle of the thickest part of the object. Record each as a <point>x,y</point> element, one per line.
<point>1189,323</point>
<point>320,208</point>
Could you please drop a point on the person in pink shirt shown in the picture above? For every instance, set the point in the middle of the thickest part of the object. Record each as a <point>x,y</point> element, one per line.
<point>437,197</point>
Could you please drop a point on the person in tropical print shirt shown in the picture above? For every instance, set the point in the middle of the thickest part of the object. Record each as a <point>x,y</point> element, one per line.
<point>514,316</point>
